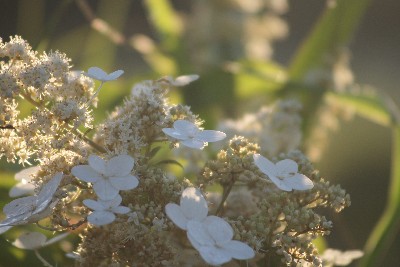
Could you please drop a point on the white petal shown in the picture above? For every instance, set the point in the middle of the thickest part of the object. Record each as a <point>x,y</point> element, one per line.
<point>121,165</point>
<point>109,204</point>
<point>105,190</point>
<point>93,204</point>
<point>30,240</point>
<point>86,173</point>
<point>264,165</point>
<point>193,204</point>
<point>4,229</point>
<point>214,255</point>
<point>176,215</point>
<point>21,189</point>
<point>124,183</point>
<point>96,73</point>
<point>114,75</point>
<point>184,79</point>
<point>281,184</point>
<point>299,182</point>
<point>55,239</point>
<point>121,210</point>
<point>198,235</point>
<point>192,143</point>
<point>219,229</point>
<point>286,166</point>
<point>26,174</point>
<point>101,217</point>
<point>239,250</point>
<point>46,193</point>
<point>175,134</point>
<point>210,136</point>
<point>186,127</point>
<point>20,206</point>
<point>98,164</point>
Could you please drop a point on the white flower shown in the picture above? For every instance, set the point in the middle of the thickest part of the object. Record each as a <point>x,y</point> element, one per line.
<point>340,258</point>
<point>191,136</point>
<point>213,239</point>
<point>181,80</point>
<point>108,177</point>
<point>104,210</point>
<point>32,208</point>
<point>283,174</point>
<point>99,74</point>
<point>193,206</point>
<point>24,187</point>
<point>35,240</point>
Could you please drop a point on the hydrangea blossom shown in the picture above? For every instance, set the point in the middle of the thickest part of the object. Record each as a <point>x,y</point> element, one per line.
<point>99,74</point>
<point>36,240</point>
<point>32,208</point>
<point>191,136</point>
<point>108,177</point>
<point>104,210</point>
<point>24,187</point>
<point>210,235</point>
<point>213,239</point>
<point>283,174</point>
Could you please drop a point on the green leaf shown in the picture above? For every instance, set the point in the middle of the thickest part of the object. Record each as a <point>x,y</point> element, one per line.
<point>333,31</point>
<point>154,151</point>
<point>170,161</point>
<point>388,226</point>
<point>368,104</point>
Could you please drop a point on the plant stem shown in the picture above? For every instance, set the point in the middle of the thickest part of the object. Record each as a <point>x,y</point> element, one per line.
<point>227,191</point>
<point>45,263</point>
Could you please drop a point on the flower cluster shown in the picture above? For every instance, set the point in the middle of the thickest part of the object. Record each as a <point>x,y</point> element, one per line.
<point>116,188</point>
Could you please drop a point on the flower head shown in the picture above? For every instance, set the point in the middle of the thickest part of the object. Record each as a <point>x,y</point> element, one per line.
<point>192,206</point>
<point>283,174</point>
<point>340,258</point>
<point>213,239</point>
<point>108,177</point>
<point>99,74</point>
<point>191,136</point>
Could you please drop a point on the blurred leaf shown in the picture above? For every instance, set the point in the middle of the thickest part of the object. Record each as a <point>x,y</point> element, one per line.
<point>170,161</point>
<point>154,151</point>
<point>333,31</point>
<point>388,226</point>
<point>368,104</point>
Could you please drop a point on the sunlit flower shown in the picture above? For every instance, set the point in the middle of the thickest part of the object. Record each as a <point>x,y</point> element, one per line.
<point>36,240</point>
<point>340,258</point>
<point>283,174</point>
<point>99,74</point>
<point>191,136</point>
<point>213,239</point>
<point>192,206</point>
<point>104,210</point>
<point>108,177</point>
<point>32,208</point>
<point>24,186</point>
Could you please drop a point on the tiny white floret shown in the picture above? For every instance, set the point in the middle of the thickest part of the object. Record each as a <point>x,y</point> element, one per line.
<point>284,174</point>
<point>99,74</point>
<point>191,136</point>
<point>108,177</point>
<point>104,210</point>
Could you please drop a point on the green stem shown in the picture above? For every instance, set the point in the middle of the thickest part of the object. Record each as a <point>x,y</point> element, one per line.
<point>227,191</point>
<point>45,263</point>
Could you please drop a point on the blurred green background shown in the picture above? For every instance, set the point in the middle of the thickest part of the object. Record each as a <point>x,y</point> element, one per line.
<point>357,156</point>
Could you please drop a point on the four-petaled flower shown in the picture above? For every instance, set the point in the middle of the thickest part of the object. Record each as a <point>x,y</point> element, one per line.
<point>99,74</point>
<point>104,210</point>
<point>191,136</point>
<point>24,186</point>
<point>108,177</point>
<point>283,174</point>
<point>32,208</point>
<point>213,239</point>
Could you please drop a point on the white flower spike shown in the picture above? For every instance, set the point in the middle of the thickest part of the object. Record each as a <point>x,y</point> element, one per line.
<point>191,136</point>
<point>104,210</point>
<point>213,239</point>
<point>99,74</point>
<point>108,177</point>
<point>284,174</point>
<point>32,208</point>
<point>24,186</point>
<point>192,206</point>
<point>36,240</point>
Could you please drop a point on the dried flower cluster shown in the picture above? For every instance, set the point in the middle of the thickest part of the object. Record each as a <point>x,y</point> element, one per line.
<point>116,188</point>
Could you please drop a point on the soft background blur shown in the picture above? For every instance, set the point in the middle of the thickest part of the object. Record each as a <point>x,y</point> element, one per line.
<point>357,156</point>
